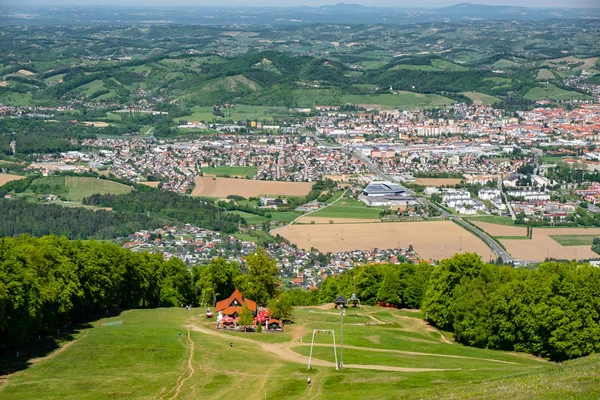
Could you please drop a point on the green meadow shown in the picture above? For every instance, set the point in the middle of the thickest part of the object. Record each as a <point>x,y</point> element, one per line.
<point>248,172</point>
<point>387,354</point>
<point>76,188</point>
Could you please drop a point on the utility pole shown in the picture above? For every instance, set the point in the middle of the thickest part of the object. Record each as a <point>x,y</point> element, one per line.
<point>342,310</point>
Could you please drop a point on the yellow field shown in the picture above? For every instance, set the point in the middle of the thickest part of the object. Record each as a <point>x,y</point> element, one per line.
<point>431,240</point>
<point>24,72</point>
<point>96,124</point>
<point>437,181</point>
<point>5,178</point>
<point>3,83</point>
<point>151,184</point>
<point>222,187</point>
<point>542,245</point>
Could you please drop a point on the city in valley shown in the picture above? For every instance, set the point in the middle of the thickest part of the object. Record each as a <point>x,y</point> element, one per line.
<point>417,190</point>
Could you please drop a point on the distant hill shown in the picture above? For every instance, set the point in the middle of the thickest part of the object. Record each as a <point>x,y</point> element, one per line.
<point>337,13</point>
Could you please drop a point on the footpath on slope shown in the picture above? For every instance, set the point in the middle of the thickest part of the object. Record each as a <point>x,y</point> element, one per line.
<point>285,352</point>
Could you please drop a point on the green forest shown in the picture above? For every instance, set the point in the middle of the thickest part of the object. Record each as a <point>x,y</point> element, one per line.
<point>552,311</point>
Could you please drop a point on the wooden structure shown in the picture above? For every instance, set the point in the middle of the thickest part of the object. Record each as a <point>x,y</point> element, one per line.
<point>232,306</point>
<point>341,301</point>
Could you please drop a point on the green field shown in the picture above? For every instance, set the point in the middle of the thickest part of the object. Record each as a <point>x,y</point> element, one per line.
<point>404,100</point>
<point>574,240</point>
<point>251,219</point>
<point>545,75</point>
<point>551,92</point>
<point>388,354</point>
<point>349,208</point>
<point>481,98</point>
<point>247,172</point>
<point>493,220</point>
<point>276,216</point>
<point>75,188</point>
<point>237,113</point>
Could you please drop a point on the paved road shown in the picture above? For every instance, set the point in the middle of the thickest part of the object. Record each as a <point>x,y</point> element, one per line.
<point>308,213</point>
<point>500,252</point>
<point>510,209</point>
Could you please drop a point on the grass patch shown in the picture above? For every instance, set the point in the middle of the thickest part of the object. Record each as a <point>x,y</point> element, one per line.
<point>574,240</point>
<point>481,98</point>
<point>247,172</point>
<point>492,219</point>
<point>404,100</point>
<point>146,358</point>
<point>76,188</point>
<point>551,92</point>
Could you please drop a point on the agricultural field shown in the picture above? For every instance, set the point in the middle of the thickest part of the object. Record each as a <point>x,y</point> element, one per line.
<point>551,92</point>
<point>481,98</point>
<point>247,172</point>
<point>431,240</point>
<point>238,112</point>
<point>310,219</point>
<point>207,186</point>
<point>387,354</point>
<point>75,188</point>
<point>403,100</point>
<point>151,184</point>
<point>437,181</point>
<point>574,240</point>
<point>492,219</point>
<point>5,178</point>
<point>559,243</point>
<point>349,208</point>
<point>545,75</point>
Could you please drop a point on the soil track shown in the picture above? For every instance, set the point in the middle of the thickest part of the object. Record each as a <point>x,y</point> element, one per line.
<point>285,352</point>
<point>191,370</point>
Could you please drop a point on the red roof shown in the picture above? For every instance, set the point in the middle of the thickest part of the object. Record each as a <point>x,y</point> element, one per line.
<point>228,309</point>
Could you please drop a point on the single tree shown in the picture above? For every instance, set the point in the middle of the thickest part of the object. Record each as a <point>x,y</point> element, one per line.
<point>246,318</point>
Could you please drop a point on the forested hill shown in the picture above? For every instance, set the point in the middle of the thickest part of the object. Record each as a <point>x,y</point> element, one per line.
<point>20,217</point>
<point>48,282</point>
<point>552,311</point>
<point>183,209</point>
<point>131,212</point>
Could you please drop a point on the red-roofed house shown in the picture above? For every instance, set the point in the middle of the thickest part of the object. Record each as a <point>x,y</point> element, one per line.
<point>232,305</point>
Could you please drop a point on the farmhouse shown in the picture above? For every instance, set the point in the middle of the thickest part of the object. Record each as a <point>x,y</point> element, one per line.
<point>232,306</point>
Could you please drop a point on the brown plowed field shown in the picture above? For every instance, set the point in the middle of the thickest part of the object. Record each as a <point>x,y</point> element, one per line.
<point>222,187</point>
<point>5,178</point>
<point>542,245</point>
<point>431,240</point>
<point>151,184</point>
<point>437,181</point>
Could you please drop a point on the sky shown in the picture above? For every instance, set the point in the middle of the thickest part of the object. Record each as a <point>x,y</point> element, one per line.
<point>312,3</point>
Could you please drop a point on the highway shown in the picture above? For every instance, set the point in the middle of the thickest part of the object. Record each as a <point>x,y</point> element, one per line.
<point>500,252</point>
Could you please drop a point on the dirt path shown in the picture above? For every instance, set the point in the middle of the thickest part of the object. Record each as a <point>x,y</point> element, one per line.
<point>191,370</point>
<point>414,353</point>
<point>285,352</point>
<point>308,213</point>
<point>443,338</point>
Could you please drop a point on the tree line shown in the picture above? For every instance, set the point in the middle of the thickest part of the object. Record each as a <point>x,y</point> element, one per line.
<point>552,311</point>
<point>50,282</point>
<point>21,217</point>
<point>183,209</point>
